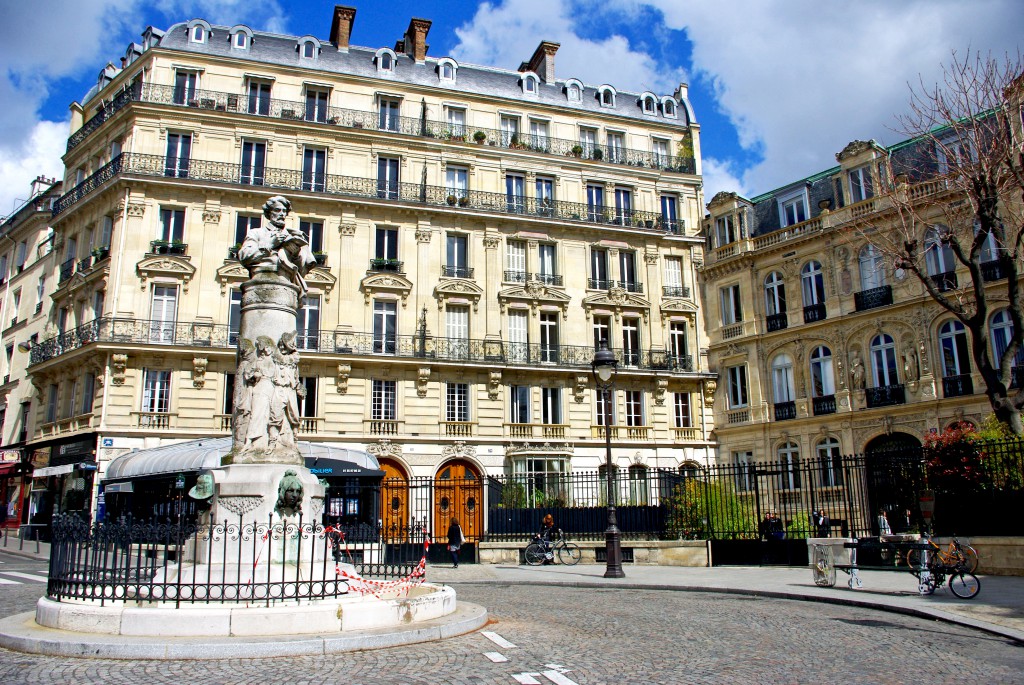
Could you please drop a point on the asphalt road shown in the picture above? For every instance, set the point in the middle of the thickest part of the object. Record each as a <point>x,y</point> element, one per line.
<point>579,636</point>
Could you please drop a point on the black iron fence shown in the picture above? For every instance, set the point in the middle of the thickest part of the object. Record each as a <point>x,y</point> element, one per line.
<point>258,562</point>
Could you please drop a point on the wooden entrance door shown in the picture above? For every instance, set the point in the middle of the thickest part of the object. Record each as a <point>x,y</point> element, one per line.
<point>394,504</point>
<point>458,492</point>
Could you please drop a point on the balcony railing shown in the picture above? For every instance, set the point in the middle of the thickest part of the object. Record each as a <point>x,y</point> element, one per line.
<point>457,271</point>
<point>123,331</point>
<point>957,386</point>
<point>537,430</point>
<point>993,270</point>
<point>738,416</point>
<point>776,322</point>
<point>785,411</point>
<point>814,312</point>
<point>875,297</point>
<point>825,404</point>
<point>392,265</point>
<point>67,270</point>
<point>600,284</point>
<point>885,395</point>
<point>512,276</point>
<point>375,121</point>
<point>675,291</point>
<point>548,279</point>
<point>944,281</point>
<point>631,286</point>
<point>191,170</point>
<point>168,247</point>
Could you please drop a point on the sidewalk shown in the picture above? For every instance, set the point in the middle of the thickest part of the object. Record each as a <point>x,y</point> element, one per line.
<point>998,608</point>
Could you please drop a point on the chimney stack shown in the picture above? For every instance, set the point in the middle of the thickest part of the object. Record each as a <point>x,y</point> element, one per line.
<point>341,26</point>
<point>415,40</point>
<point>543,61</point>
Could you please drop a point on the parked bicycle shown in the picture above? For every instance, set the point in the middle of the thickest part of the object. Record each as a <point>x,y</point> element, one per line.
<point>568,553</point>
<point>955,554</point>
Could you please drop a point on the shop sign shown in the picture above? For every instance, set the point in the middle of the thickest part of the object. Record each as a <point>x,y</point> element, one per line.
<point>179,482</point>
<point>41,457</point>
<point>10,455</point>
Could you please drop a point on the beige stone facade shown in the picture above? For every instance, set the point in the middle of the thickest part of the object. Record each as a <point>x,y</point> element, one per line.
<point>477,230</point>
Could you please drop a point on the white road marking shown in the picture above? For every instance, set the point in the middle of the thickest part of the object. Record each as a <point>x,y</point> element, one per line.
<point>4,581</point>
<point>526,678</point>
<point>27,576</point>
<point>496,657</point>
<point>558,667</point>
<point>497,639</point>
<point>558,678</point>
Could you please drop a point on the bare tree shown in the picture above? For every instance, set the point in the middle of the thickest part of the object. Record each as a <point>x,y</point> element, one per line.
<point>958,195</point>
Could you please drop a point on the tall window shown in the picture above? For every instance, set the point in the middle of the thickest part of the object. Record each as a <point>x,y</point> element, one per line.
<point>627,269</point>
<point>595,202</point>
<point>551,406</point>
<point>673,276</point>
<point>732,309</point>
<point>156,391</point>
<point>955,355</point>
<point>515,252</point>
<point>388,112</point>
<point>602,331</point>
<point>456,182</point>
<point>725,229</point>
<point>782,379</point>
<point>515,193</point>
<point>457,402</point>
<point>314,169</point>
<point>307,404</point>
<point>548,270</point>
<point>456,119</point>
<point>163,314</point>
<point>660,148</point>
<point>106,232</point>
<point>539,134</point>
<point>307,323</point>
<point>670,213</point>
<point>938,258</point>
<point>605,410</point>
<point>509,130</point>
<point>179,149</point>
<point>383,395</point>
<point>737,386</point>
<point>456,247</point>
<point>234,316</point>
<point>677,347</point>
<point>883,361</point>
<point>822,378</point>
<point>623,206</point>
<point>872,268</point>
<point>789,463</point>
<point>88,392</point>
<point>813,284</point>
<point>243,224</point>
<point>630,342</point>
<point>831,462</point>
<point>387,178</point>
<point>634,408</point>
<point>254,162</point>
<point>549,337</point>
<point>681,410</point>
<point>386,246</point>
<point>599,268</point>
<point>1001,330</point>
<point>774,294</point>
<point>316,103</point>
<point>51,402</point>
<point>588,141</point>
<point>172,225</point>
<point>860,184</point>
<point>518,338</point>
<point>259,98</point>
<point>519,404</point>
<point>794,210</point>
<point>314,233</point>
<point>457,331</point>
<point>744,462</point>
<point>545,192</point>
<point>185,83</point>
<point>385,315</point>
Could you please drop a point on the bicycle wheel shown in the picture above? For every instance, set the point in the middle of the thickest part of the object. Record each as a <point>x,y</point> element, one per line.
<point>914,559</point>
<point>964,585</point>
<point>969,555</point>
<point>569,554</point>
<point>534,554</point>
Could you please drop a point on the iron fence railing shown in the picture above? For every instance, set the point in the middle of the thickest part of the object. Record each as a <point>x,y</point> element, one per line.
<point>314,111</point>
<point>111,329</point>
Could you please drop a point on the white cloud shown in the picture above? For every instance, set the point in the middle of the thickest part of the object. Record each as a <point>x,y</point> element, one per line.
<point>38,154</point>
<point>719,175</point>
<point>263,15</point>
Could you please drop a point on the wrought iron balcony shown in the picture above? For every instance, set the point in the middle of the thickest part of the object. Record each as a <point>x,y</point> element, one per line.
<point>631,286</point>
<point>957,386</point>
<point>457,271</point>
<point>393,265</point>
<point>131,164</point>
<point>168,247</point>
<point>993,270</point>
<point>944,281</point>
<point>671,362</point>
<point>777,322</point>
<point>785,411</point>
<point>377,121</point>
<point>814,312</point>
<point>875,297</point>
<point>67,270</point>
<point>515,276</point>
<point>548,279</point>
<point>675,291</point>
<point>886,395</point>
<point>600,284</point>
<point>826,404</point>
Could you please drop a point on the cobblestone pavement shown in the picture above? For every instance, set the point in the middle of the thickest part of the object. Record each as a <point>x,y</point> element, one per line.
<point>590,636</point>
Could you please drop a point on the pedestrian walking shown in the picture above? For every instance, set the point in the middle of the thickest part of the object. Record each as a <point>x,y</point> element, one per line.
<point>455,540</point>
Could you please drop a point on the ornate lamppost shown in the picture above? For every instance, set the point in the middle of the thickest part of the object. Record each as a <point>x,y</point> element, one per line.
<point>604,368</point>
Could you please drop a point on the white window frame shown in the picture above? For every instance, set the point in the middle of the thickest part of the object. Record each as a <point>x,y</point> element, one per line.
<point>812,282</point>
<point>822,375</point>
<point>783,388</point>
<point>884,363</point>
<point>860,183</point>
<point>738,395</point>
<point>731,304</point>
<point>798,200</point>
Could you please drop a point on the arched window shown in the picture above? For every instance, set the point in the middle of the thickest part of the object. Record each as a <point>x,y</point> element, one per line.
<point>789,465</point>
<point>385,62</point>
<point>198,34</point>
<point>574,90</point>
<point>650,105</point>
<point>447,69</point>
<point>774,294</point>
<point>813,283</point>
<point>1001,332</point>
<point>990,250</point>
<point>822,378</point>
<point>690,469</point>
<point>529,83</point>
<point>782,379</point>
<point>938,258</point>
<point>309,50</point>
<point>883,361</point>
<point>669,107</point>
<point>831,462</point>
<point>386,58</point>
<point>953,342</point>
<point>607,96</point>
<point>872,269</point>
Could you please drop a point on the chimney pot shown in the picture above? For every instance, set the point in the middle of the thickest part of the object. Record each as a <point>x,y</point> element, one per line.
<point>543,61</point>
<point>341,26</point>
<point>415,39</point>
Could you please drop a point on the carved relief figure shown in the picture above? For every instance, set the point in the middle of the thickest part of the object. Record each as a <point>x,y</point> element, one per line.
<point>276,247</point>
<point>910,371</point>
<point>242,401</point>
<point>857,371</point>
<point>289,494</point>
<point>284,409</point>
<point>260,380</point>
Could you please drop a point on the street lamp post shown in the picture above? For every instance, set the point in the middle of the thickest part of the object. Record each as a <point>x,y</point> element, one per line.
<point>604,367</point>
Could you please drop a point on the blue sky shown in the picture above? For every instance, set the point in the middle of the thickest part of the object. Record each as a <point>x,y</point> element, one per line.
<point>778,86</point>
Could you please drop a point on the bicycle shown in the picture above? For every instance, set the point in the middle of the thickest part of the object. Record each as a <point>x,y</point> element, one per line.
<point>568,552</point>
<point>955,554</point>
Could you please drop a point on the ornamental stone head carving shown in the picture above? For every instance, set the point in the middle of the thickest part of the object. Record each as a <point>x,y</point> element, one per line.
<point>289,494</point>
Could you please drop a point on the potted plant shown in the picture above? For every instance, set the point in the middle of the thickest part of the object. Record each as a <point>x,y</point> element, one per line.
<point>320,257</point>
<point>451,200</point>
<point>598,154</point>
<point>577,151</point>
<point>514,141</point>
<point>177,247</point>
<point>479,137</point>
<point>463,201</point>
<point>357,124</point>
<point>233,251</point>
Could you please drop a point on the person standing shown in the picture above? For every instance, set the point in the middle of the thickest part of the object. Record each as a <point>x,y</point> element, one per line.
<point>883,523</point>
<point>455,540</point>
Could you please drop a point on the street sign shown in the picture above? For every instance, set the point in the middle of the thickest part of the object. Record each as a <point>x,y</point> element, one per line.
<point>926,500</point>
<point>179,483</point>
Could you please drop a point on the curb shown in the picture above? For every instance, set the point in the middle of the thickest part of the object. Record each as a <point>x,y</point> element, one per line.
<point>930,614</point>
<point>21,633</point>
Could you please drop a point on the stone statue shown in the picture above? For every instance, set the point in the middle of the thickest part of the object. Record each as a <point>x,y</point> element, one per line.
<point>857,372</point>
<point>276,247</point>
<point>260,380</point>
<point>284,409</point>
<point>909,365</point>
<point>203,489</point>
<point>289,494</point>
<point>243,393</point>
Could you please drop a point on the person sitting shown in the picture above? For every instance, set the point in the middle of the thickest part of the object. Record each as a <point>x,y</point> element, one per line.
<point>547,532</point>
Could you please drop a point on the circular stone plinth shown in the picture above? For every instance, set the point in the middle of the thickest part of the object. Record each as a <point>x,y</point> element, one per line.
<point>22,633</point>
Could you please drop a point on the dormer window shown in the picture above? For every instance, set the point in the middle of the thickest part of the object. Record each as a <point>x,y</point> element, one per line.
<point>446,69</point>
<point>198,34</point>
<point>573,90</point>
<point>606,96</point>
<point>241,41</point>
<point>668,106</point>
<point>308,50</point>
<point>308,47</point>
<point>649,104</point>
<point>241,37</point>
<point>386,59</point>
<point>198,30</point>
<point>530,83</point>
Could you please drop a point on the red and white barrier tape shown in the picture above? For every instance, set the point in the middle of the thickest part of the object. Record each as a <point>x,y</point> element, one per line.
<point>356,583</point>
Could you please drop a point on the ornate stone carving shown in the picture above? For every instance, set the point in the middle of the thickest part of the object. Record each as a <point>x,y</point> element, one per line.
<point>274,248</point>
<point>493,384</point>
<point>118,363</point>
<point>854,148</point>
<point>579,387</point>
<point>392,284</point>
<point>710,386</point>
<point>661,385</point>
<point>347,229</point>
<point>317,505</point>
<point>458,450</point>
<point>651,257</point>
<point>137,209</point>
<point>491,241</point>
<point>423,235</point>
<point>534,448</point>
<point>266,416</point>
<point>384,448</point>
<point>199,372</point>
<point>341,380</point>
<point>289,495</point>
<point>211,215</point>
<point>422,378</point>
<point>178,268</point>
<point>240,506</point>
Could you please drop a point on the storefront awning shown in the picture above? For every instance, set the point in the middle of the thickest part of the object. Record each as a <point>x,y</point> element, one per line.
<point>7,468</point>
<point>203,455</point>
<point>53,470</point>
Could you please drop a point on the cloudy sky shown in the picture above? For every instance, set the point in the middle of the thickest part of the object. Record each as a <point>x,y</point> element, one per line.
<point>778,86</point>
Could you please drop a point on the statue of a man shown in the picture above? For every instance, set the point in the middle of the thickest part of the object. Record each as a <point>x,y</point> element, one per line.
<point>277,246</point>
<point>857,371</point>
